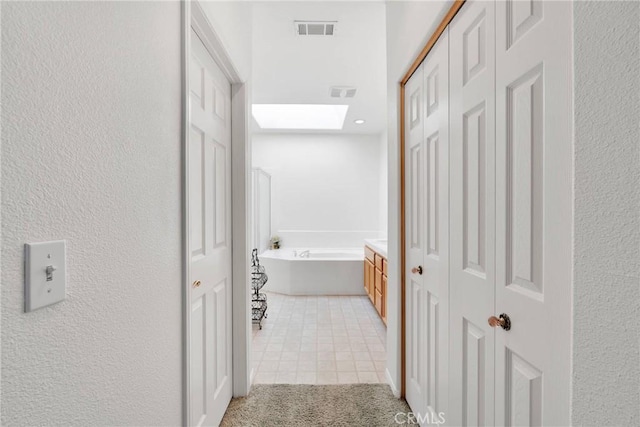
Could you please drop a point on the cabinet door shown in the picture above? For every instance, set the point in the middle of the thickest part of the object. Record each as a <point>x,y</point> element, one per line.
<point>378,262</point>
<point>369,254</point>
<point>384,298</point>
<point>371,284</point>
<point>472,213</point>
<point>378,291</point>
<point>366,276</point>
<point>378,301</point>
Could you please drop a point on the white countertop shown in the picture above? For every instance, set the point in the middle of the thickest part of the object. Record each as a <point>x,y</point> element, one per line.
<point>378,245</point>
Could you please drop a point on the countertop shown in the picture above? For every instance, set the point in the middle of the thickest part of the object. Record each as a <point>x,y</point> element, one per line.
<point>378,245</point>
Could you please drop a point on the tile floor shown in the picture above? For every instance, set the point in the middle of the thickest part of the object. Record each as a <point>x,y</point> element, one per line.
<point>319,340</point>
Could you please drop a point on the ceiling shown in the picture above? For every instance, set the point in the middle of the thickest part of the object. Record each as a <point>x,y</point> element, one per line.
<point>292,69</point>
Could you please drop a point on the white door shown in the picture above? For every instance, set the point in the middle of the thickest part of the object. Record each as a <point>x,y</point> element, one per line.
<point>472,276</point>
<point>436,229</point>
<point>427,184</point>
<point>416,387</point>
<point>209,205</point>
<point>533,215</point>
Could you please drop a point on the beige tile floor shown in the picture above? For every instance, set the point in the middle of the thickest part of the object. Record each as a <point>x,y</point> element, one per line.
<point>319,340</point>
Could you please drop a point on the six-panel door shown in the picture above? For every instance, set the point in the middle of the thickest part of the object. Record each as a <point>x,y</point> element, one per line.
<point>427,222</point>
<point>472,115</point>
<point>415,378</point>
<point>209,196</point>
<point>533,212</point>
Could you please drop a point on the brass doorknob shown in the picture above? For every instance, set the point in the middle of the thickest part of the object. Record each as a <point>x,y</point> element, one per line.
<point>417,269</point>
<point>503,321</point>
<point>197,284</point>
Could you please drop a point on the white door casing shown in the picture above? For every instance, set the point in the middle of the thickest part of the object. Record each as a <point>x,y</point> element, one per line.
<point>428,234</point>
<point>209,206</point>
<point>472,180</point>
<point>533,214</point>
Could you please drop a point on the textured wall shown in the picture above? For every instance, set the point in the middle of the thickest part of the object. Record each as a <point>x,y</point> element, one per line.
<point>383,186</point>
<point>606,362</point>
<point>91,154</point>
<point>232,22</point>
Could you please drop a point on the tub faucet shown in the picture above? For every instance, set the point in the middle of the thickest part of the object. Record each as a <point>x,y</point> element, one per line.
<point>304,254</point>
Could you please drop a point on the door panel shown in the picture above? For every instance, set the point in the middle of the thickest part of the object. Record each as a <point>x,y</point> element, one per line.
<point>427,178</point>
<point>474,189</point>
<point>533,216</point>
<point>472,209</point>
<point>209,195</point>
<point>474,375</point>
<point>436,211</point>
<point>415,303</point>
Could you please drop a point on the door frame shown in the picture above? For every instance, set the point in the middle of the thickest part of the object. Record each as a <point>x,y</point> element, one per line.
<point>193,16</point>
<point>451,13</point>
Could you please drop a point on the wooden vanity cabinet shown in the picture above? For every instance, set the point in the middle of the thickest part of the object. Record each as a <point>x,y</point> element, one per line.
<point>375,280</point>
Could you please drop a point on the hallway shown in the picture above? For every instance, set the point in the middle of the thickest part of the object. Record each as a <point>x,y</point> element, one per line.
<point>319,340</point>
<point>492,145</point>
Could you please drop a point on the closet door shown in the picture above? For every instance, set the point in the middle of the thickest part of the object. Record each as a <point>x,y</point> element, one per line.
<point>427,219</point>
<point>436,220</point>
<point>533,218</point>
<point>472,167</point>
<point>415,299</point>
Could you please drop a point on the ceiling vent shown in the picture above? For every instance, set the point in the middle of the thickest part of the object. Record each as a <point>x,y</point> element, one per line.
<point>315,28</point>
<point>342,92</point>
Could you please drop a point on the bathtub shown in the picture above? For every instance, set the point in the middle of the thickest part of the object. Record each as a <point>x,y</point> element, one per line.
<point>301,271</point>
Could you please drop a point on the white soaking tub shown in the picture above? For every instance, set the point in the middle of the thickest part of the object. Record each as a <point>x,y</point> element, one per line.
<point>314,271</point>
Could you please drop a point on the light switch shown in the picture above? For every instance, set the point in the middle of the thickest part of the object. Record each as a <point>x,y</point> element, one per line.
<point>45,274</point>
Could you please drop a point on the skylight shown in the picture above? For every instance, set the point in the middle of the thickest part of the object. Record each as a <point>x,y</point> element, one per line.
<point>300,116</point>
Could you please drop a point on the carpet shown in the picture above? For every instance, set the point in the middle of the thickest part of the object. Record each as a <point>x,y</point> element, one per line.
<point>305,405</point>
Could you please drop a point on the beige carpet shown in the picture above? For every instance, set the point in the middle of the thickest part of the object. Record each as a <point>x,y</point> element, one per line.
<point>366,405</point>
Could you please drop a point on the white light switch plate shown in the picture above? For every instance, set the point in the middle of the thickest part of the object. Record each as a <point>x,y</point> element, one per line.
<point>41,288</point>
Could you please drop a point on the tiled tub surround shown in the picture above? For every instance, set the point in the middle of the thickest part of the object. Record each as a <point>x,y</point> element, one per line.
<point>319,340</point>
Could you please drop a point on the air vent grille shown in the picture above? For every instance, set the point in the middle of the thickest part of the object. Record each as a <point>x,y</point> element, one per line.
<point>315,28</point>
<point>342,91</point>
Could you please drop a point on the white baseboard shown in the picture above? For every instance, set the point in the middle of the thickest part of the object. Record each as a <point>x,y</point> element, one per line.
<point>394,389</point>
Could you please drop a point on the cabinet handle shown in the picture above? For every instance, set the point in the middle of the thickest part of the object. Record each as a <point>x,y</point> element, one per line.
<point>417,269</point>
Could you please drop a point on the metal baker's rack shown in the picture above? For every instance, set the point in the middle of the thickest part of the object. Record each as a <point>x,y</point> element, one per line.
<point>258,299</point>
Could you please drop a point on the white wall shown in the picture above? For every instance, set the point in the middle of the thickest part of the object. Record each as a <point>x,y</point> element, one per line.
<point>91,154</point>
<point>383,188</point>
<point>409,26</point>
<point>606,289</point>
<point>322,182</point>
<point>231,20</point>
